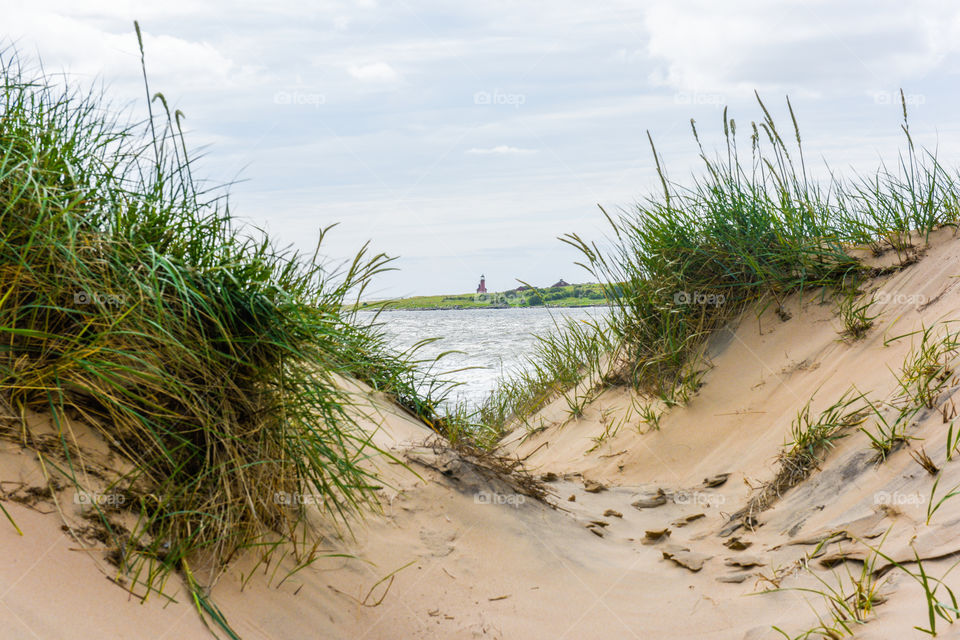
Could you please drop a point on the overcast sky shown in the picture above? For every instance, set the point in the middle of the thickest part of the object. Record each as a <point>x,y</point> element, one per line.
<point>465,137</point>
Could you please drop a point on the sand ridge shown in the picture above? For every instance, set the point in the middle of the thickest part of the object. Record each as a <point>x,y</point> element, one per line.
<point>634,538</point>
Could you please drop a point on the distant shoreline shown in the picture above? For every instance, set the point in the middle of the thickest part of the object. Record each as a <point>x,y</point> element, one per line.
<point>373,307</point>
<point>559,297</point>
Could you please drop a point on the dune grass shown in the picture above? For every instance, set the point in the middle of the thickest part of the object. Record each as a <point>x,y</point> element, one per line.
<point>578,351</point>
<point>204,355</point>
<point>750,229</point>
<point>854,311</point>
<point>812,438</point>
<point>926,373</point>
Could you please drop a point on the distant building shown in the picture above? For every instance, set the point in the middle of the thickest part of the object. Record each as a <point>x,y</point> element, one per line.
<point>483,285</point>
<point>561,283</point>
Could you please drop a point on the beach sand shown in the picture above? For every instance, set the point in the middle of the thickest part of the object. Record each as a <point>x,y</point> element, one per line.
<point>458,553</point>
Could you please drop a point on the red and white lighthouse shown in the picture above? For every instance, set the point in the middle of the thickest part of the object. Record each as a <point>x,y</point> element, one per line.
<point>483,285</point>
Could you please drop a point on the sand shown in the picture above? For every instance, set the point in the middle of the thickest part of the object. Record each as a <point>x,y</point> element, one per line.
<point>471,558</point>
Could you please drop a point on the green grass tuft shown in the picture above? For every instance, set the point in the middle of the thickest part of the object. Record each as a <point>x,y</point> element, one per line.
<point>210,359</point>
<point>750,231</point>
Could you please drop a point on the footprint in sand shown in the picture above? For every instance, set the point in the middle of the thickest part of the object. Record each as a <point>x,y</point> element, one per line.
<point>438,543</point>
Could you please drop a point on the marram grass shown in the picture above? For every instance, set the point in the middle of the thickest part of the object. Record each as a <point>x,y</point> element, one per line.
<point>749,229</point>
<point>206,357</point>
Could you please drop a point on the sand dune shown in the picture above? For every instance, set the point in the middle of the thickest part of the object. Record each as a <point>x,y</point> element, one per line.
<point>634,539</point>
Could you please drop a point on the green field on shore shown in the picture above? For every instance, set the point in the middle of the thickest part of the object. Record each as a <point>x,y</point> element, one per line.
<point>575,295</point>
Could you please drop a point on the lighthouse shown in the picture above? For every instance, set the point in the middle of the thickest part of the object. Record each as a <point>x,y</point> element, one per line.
<point>483,285</point>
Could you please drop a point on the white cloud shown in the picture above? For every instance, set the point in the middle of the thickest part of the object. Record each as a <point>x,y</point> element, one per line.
<point>501,150</point>
<point>812,47</point>
<point>86,48</point>
<point>374,72</point>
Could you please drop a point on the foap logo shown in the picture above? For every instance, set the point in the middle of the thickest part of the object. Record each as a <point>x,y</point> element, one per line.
<point>896,498</point>
<point>489,497</point>
<point>698,297</point>
<point>700,98</point>
<point>699,499</point>
<point>501,298</point>
<point>299,98</point>
<point>299,94</point>
<point>99,499</point>
<point>294,499</point>
<point>888,97</point>
<point>906,299</point>
<point>93,297</point>
<point>499,98</point>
